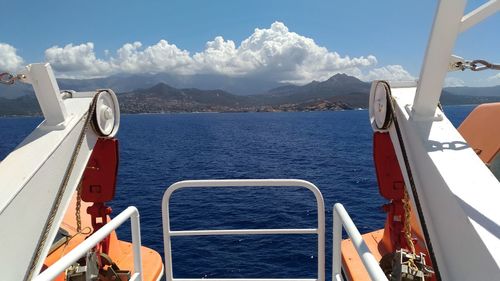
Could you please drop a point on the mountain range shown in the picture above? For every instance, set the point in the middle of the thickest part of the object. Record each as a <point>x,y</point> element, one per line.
<point>150,94</point>
<point>129,82</point>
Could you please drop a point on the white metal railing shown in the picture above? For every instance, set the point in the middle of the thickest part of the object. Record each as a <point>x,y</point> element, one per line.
<point>168,233</point>
<point>131,212</point>
<point>342,218</point>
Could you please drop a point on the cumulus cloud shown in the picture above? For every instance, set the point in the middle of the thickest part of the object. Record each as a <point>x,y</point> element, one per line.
<point>9,60</point>
<point>275,53</point>
<point>161,57</point>
<point>76,60</point>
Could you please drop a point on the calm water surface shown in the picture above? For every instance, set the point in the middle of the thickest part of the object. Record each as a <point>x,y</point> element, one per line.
<point>333,150</point>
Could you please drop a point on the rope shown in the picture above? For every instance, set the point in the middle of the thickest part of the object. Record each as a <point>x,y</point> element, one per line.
<point>62,189</point>
<point>86,231</point>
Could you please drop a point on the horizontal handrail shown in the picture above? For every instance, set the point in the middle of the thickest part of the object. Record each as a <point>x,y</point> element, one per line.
<point>79,251</point>
<point>342,219</point>
<point>168,233</point>
<point>241,279</point>
<point>243,232</point>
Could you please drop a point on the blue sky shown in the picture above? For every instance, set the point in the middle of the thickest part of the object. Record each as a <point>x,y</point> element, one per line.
<point>393,32</point>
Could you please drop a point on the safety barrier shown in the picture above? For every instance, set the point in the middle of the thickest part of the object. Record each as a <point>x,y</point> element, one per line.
<point>168,233</point>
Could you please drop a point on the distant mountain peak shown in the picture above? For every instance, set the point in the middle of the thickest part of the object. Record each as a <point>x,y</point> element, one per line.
<point>343,78</point>
<point>161,87</point>
<point>339,75</point>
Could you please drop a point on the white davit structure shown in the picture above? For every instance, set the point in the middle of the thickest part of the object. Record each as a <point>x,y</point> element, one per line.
<point>454,194</point>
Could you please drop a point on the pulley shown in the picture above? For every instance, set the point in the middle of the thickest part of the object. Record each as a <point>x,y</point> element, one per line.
<point>106,118</point>
<point>381,113</point>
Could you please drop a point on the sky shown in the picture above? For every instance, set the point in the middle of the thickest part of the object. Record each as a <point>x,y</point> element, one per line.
<point>293,41</point>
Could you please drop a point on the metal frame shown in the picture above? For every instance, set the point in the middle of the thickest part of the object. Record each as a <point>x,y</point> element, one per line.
<point>62,264</point>
<point>342,219</point>
<point>479,14</point>
<point>445,30</point>
<point>449,22</point>
<point>168,233</point>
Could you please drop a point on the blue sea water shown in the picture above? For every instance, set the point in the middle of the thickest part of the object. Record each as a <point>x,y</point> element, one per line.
<point>330,149</point>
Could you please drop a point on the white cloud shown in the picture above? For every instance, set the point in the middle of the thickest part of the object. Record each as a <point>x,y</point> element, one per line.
<point>161,57</point>
<point>389,72</point>
<point>78,60</point>
<point>9,60</point>
<point>275,53</point>
<point>453,82</point>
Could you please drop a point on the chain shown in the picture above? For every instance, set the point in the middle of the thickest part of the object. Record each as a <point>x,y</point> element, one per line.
<point>407,226</point>
<point>407,229</point>
<point>78,207</point>
<point>476,65</point>
<point>7,78</point>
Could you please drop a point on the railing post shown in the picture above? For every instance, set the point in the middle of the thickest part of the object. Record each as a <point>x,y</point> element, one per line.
<point>135,225</point>
<point>337,237</point>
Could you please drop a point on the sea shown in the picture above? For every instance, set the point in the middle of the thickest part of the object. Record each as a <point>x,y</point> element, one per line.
<point>332,150</point>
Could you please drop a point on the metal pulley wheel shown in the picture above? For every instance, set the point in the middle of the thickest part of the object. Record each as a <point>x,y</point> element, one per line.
<point>381,111</point>
<point>106,118</point>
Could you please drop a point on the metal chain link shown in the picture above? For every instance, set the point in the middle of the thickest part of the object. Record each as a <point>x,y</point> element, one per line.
<point>407,230</point>
<point>7,78</point>
<point>78,207</point>
<point>407,226</point>
<point>477,65</point>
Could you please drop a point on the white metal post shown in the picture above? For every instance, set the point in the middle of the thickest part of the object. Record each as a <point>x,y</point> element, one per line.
<point>135,225</point>
<point>445,30</point>
<point>42,78</point>
<point>336,255</point>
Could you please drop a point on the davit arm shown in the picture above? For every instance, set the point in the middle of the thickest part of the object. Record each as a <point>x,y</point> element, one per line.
<point>454,194</point>
<point>40,176</point>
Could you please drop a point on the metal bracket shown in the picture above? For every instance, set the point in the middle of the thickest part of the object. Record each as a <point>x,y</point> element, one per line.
<point>409,110</point>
